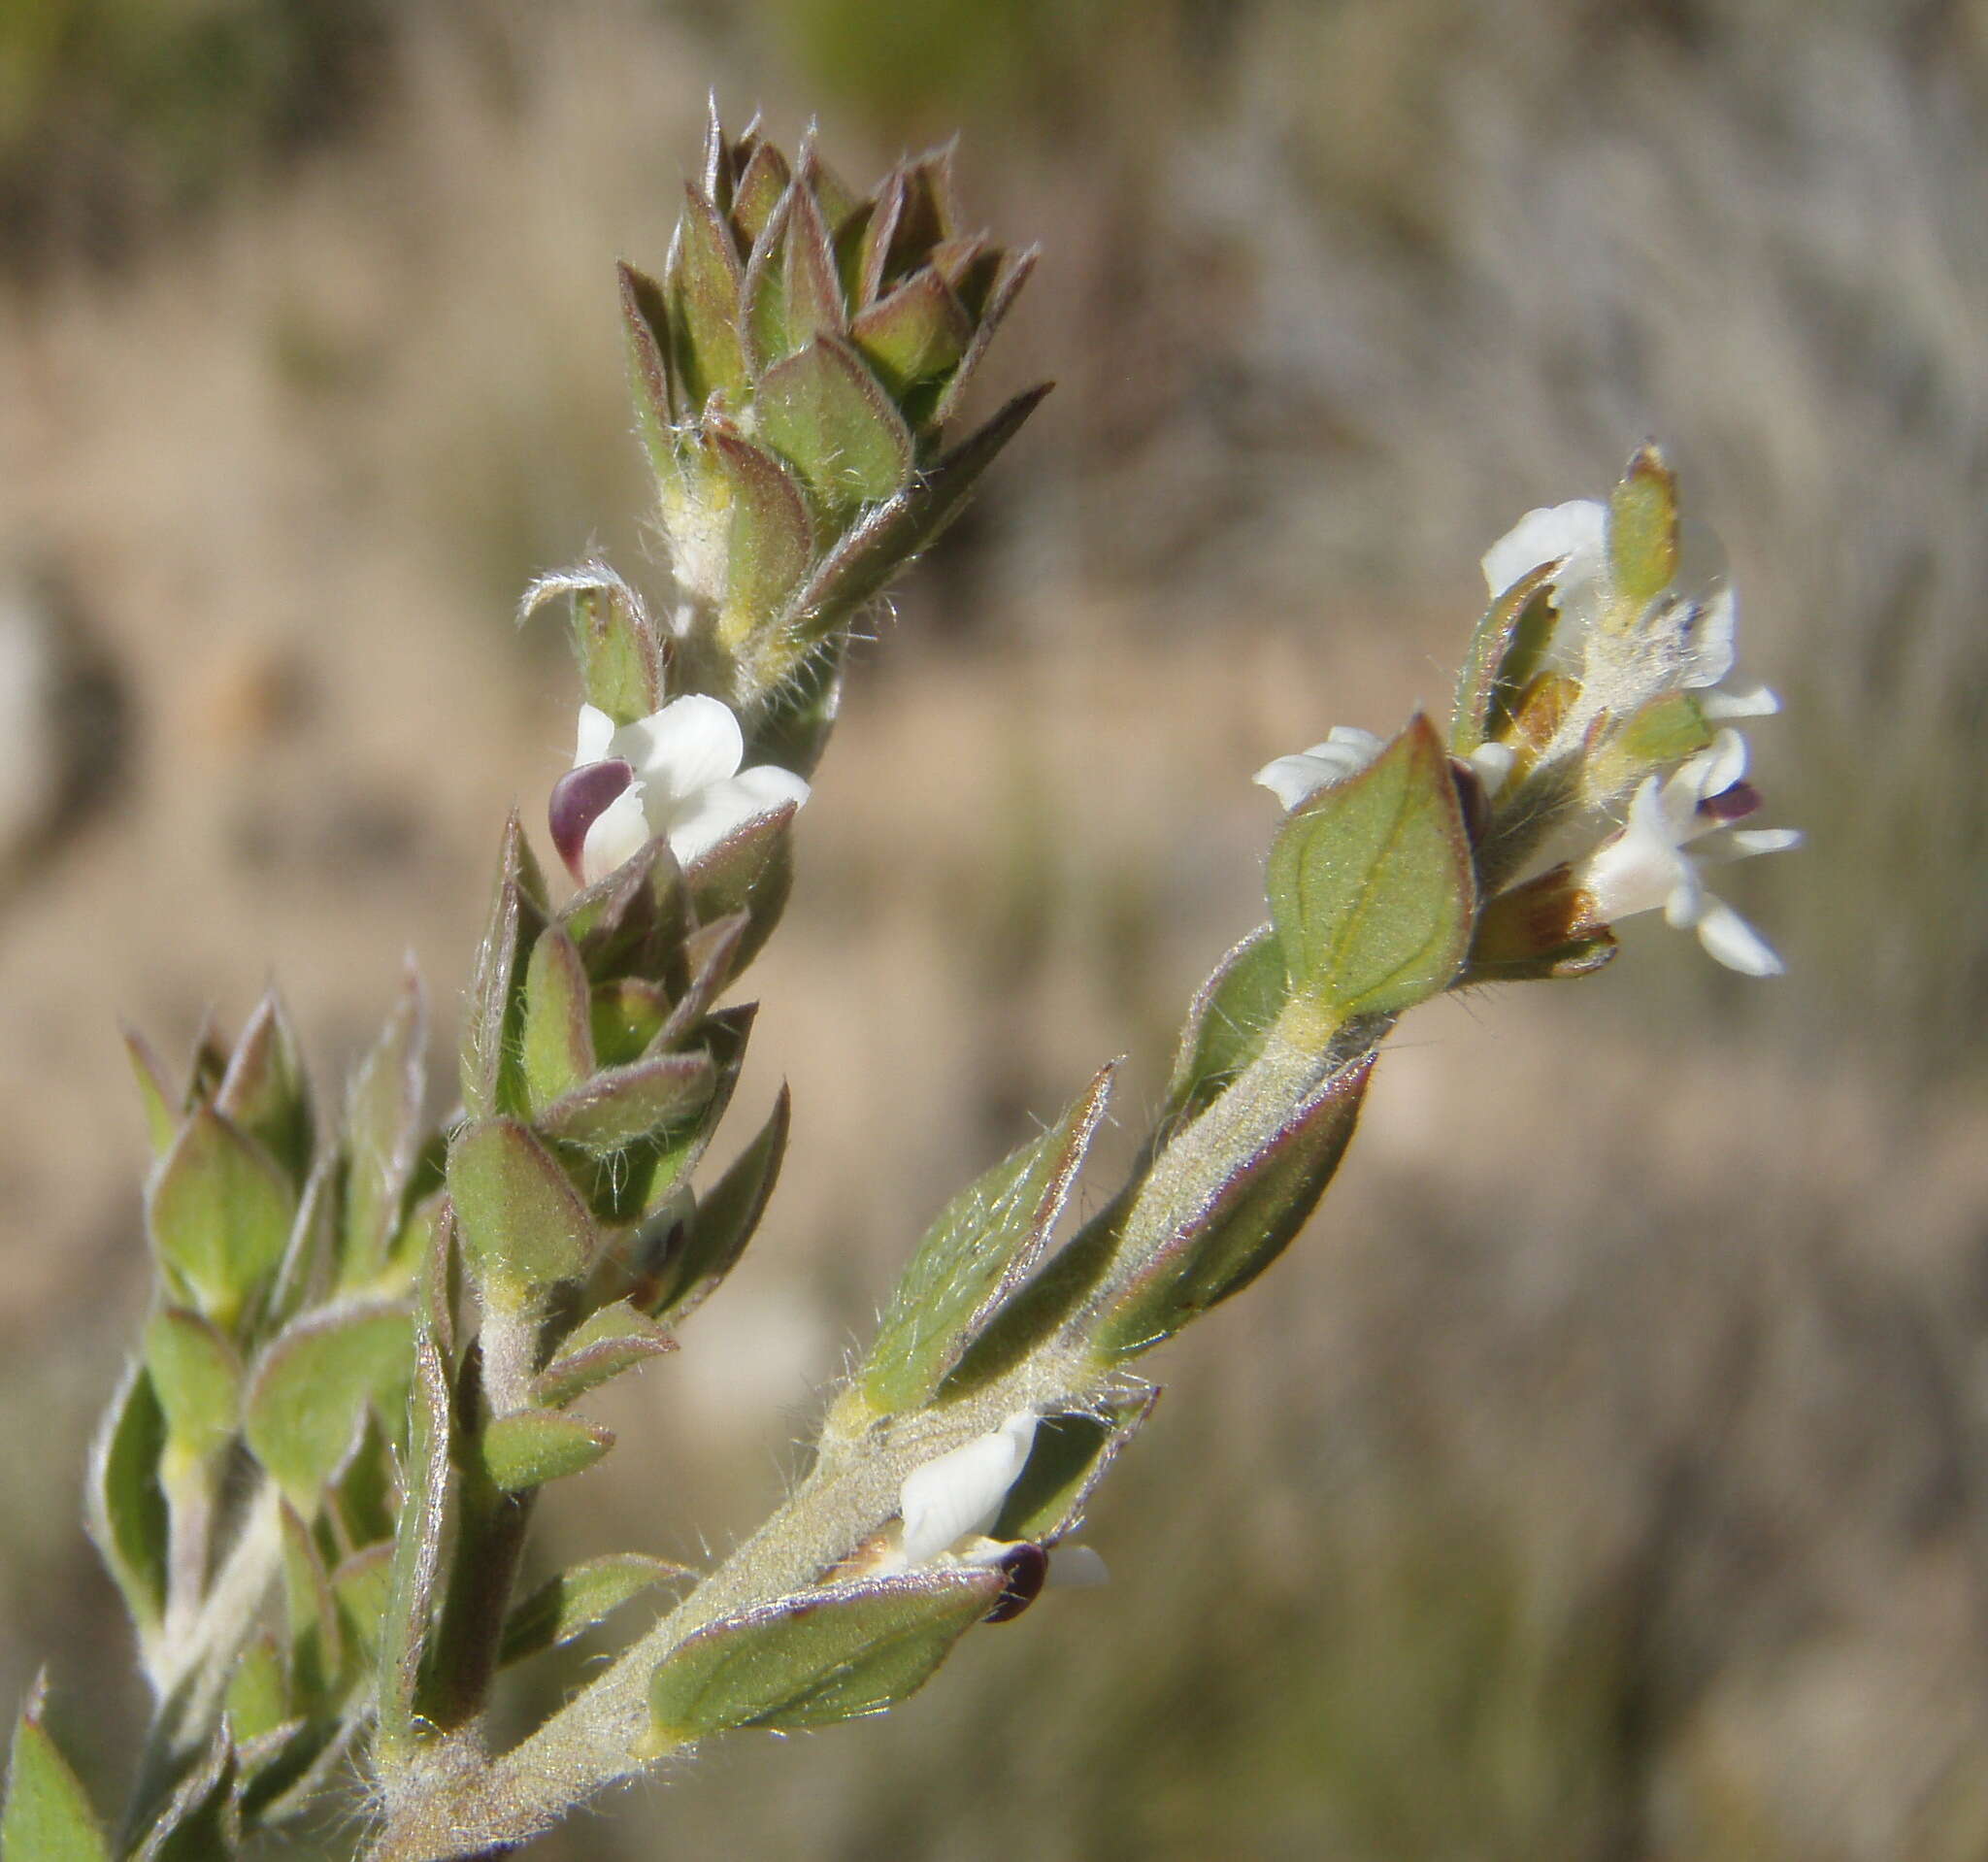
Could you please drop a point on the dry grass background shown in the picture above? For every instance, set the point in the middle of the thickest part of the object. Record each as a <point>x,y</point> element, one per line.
<point>1607,1475</point>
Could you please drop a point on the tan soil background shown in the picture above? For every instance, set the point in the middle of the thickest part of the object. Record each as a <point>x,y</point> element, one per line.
<point>1605,1474</point>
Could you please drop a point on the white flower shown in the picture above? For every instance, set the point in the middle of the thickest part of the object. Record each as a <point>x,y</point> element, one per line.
<point>1644,866</point>
<point>673,773</point>
<point>958,1495</point>
<point>1346,751</point>
<point>1574,535</point>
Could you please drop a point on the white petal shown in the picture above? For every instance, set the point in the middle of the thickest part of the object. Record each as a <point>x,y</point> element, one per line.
<point>1713,772</point>
<point>689,745</point>
<point>596,733</point>
<point>1744,842</point>
<point>1688,899</point>
<point>700,821</point>
<point>1734,943</point>
<point>1350,737</point>
<point>619,832</point>
<point>1707,639</point>
<point>1076,1568</point>
<point>961,1492</point>
<point>1750,701</point>
<point>1575,532</point>
<point>1493,763</point>
<point>1292,778</point>
<point>1639,867</point>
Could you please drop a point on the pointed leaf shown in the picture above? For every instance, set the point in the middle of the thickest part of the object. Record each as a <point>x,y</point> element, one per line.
<point>762,182</point>
<point>126,1511</point>
<point>533,1446</point>
<point>566,1606</point>
<point>827,1654</point>
<point>813,292</point>
<point>1372,883</point>
<point>1643,530</point>
<point>161,1103</point>
<point>616,645</point>
<point>651,354</point>
<point>627,1014</point>
<point>220,1213</point>
<point>1227,1022</point>
<point>362,1585</point>
<point>770,540</point>
<point>701,287</point>
<point>984,1242</point>
<point>823,411</point>
<point>197,1377</point>
<point>1506,649</point>
<point>915,334</point>
<point>712,952</point>
<point>750,873</point>
<point>258,1700</point>
<point>888,538</point>
<point>520,1220</point>
<point>625,1105</point>
<point>199,1824</point>
<point>764,291</point>
<point>1225,1243</point>
<point>1071,1455</point>
<point>416,1562</point>
<point>265,1093</point>
<point>1016,271</point>
<point>307,1394</point>
<point>725,1220</point>
<point>494,1016</point>
<point>616,1339</point>
<point>48,1816</point>
<point>559,1019</point>
<point>383,1115</point>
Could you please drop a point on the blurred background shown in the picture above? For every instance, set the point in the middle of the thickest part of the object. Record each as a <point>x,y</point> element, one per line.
<point>1605,1475</point>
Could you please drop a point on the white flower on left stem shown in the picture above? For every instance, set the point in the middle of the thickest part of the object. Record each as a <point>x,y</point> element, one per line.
<point>957,1496</point>
<point>673,773</point>
<point>1644,865</point>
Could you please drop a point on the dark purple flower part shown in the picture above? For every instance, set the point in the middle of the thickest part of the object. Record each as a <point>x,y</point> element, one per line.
<point>580,798</point>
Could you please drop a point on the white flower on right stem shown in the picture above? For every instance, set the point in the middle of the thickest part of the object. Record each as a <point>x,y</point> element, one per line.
<point>1644,866</point>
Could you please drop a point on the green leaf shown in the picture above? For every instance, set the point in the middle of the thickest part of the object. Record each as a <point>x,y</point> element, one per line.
<point>200,1823</point>
<point>559,1019</point>
<point>701,287</point>
<point>416,1562</point>
<point>1643,531</point>
<point>888,538</point>
<point>652,355</point>
<point>161,1103</point>
<point>626,1105</point>
<point>725,1220</point>
<point>196,1374</point>
<point>307,1393</point>
<point>627,1014</point>
<point>265,1093</point>
<point>827,1654</point>
<point>633,920</point>
<point>1226,1023</point>
<point>48,1816</point>
<point>1227,1240</point>
<point>915,334</point>
<point>621,656</point>
<point>614,1340</point>
<point>519,1218</point>
<point>127,1509</point>
<point>1507,648</point>
<point>983,1245</point>
<point>493,1018</point>
<point>824,411</point>
<point>220,1213</point>
<point>533,1446</point>
<point>749,871</point>
<point>1015,272</point>
<point>383,1133</point>
<point>762,183</point>
<point>362,1585</point>
<point>1071,1455</point>
<point>1372,886</point>
<point>769,537</point>
<point>712,954</point>
<point>1666,730</point>
<point>259,1700</point>
<point>317,1636</point>
<point>566,1606</point>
